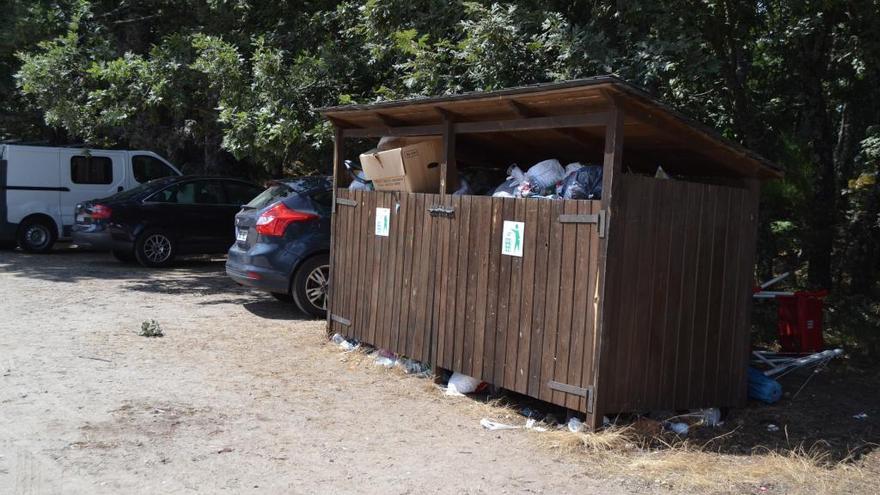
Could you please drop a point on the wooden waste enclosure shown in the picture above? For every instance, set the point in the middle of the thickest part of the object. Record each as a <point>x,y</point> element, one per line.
<point>636,301</point>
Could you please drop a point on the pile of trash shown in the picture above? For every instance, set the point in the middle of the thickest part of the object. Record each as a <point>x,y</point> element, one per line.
<point>383,357</point>
<point>548,179</point>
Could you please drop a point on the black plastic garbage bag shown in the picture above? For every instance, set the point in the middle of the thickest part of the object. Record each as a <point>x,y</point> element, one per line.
<point>583,183</point>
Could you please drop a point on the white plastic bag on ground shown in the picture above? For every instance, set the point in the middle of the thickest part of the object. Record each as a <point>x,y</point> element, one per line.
<point>460,384</point>
<point>575,425</point>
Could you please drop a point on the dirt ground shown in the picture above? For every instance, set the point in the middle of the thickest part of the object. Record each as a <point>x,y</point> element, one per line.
<point>243,394</point>
<point>240,395</point>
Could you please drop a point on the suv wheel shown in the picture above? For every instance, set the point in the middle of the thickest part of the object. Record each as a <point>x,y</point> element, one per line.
<point>154,248</point>
<point>309,286</point>
<point>37,235</point>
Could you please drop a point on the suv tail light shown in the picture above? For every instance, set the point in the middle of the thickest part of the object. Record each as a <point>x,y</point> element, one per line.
<point>100,212</point>
<point>274,221</point>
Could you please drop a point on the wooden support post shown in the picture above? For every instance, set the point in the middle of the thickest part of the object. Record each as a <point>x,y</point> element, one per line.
<point>612,168</point>
<point>338,167</point>
<point>449,162</point>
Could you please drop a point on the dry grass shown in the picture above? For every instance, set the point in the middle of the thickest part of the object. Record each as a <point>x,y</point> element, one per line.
<point>668,462</point>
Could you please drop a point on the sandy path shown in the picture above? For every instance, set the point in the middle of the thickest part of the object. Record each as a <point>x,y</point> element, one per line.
<point>241,395</point>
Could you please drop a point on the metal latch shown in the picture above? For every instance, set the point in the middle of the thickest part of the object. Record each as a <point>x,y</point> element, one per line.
<point>597,218</point>
<point>442,211</point>
<point>346,202</point>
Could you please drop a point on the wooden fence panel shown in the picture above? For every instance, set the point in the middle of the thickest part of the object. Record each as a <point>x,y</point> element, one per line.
<point>676,326</point>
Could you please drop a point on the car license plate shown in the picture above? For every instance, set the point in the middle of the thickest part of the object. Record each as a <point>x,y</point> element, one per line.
<point>80,219</point>
<point>241,235</point>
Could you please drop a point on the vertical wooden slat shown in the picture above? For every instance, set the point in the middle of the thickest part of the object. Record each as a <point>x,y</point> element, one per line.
<point>418,289</point>
<point>452,283</point>
<point>497,206</point>
<point>355,253</point>
<point>461,281</point>
<point>612,167</point>
<point>484,237</point>
<point>409,226</point>
<point>442,284</point>
<point>504,280</point>
<point>717,300</point>
<point>580,303</point>
<point>549,352</point>
<point>539,298</point>
<point>524,332</point>
<point>469,291</point>
<point>592,301</point>
<point>567,263</point>
<point>516,286</point>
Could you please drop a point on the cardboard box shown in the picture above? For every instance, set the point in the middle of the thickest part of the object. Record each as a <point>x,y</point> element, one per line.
<point>411,168</point>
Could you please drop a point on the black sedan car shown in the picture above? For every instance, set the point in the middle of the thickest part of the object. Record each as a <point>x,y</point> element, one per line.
<point>164,218</point>
<point>283,242</point>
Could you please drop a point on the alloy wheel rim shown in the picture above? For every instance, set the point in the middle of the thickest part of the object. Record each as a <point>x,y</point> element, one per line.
<point>37,236</point>
<point>316,286</point>
<point>157,248</point>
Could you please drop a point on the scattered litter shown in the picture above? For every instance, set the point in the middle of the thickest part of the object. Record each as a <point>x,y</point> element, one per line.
<point>709,417</point>
<point>225,450</point>
<point>413,367</point>
<point>530,425</point>
<point>460,384</point>
<point>575,425</point>
<point>345,344</point>
<point>678,428</point>
<point>494,425</point>
<point>763,388</point>
<point>385,358</point>
<point>860,416</point>
<point>772,428</point>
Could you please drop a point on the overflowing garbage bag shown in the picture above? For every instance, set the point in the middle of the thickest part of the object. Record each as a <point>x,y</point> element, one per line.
<point>359,179</point>
<point>460,384</point>
<point>510,187</point>
<point>581,182</point>
<point>541,179</point>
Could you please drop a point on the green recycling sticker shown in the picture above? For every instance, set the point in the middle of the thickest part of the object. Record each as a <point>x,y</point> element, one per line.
<point>512,238</point>
<point>383,221</point>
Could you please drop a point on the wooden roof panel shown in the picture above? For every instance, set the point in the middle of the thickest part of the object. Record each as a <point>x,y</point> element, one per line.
<point>651,126</point>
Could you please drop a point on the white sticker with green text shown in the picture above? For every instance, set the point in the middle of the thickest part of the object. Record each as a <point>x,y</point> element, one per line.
<point>383,221</point>
<point>512,238</point>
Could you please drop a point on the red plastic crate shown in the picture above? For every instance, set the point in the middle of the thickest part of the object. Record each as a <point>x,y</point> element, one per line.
<point>800,321</point>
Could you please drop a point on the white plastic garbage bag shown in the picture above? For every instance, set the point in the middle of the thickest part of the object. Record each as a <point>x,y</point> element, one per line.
<point>544,175</point>
<point>573,167</point>
<point>460,384</point>
<point>575,425</point>
<point>510,187</point>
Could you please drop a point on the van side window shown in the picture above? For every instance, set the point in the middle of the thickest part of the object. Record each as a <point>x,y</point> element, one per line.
<point>91,170</point>
<point>147,168</point>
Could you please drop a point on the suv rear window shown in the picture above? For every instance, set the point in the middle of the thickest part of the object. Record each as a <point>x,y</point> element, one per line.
<point>269,196</point>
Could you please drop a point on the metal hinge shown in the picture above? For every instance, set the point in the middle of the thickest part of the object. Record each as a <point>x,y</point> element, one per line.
<point>597,218</point>
<point>346,202</point>
<point>442,211</point>
<point>586,392</point>
<point>340,320</point>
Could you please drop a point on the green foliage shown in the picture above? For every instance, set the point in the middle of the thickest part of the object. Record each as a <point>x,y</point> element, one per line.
<point>232,86</point>
<point>151,328</point>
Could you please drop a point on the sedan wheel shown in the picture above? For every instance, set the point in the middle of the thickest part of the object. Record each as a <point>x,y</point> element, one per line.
<point>154,249</point>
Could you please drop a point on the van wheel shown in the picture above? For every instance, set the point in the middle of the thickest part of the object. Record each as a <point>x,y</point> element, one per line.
<point>37,235</point>
<point>124,256</point>
<point>309,286</point>
<point>154,249</point>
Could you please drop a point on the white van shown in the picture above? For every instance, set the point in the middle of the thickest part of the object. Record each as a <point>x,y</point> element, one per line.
<point>40,187</point>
